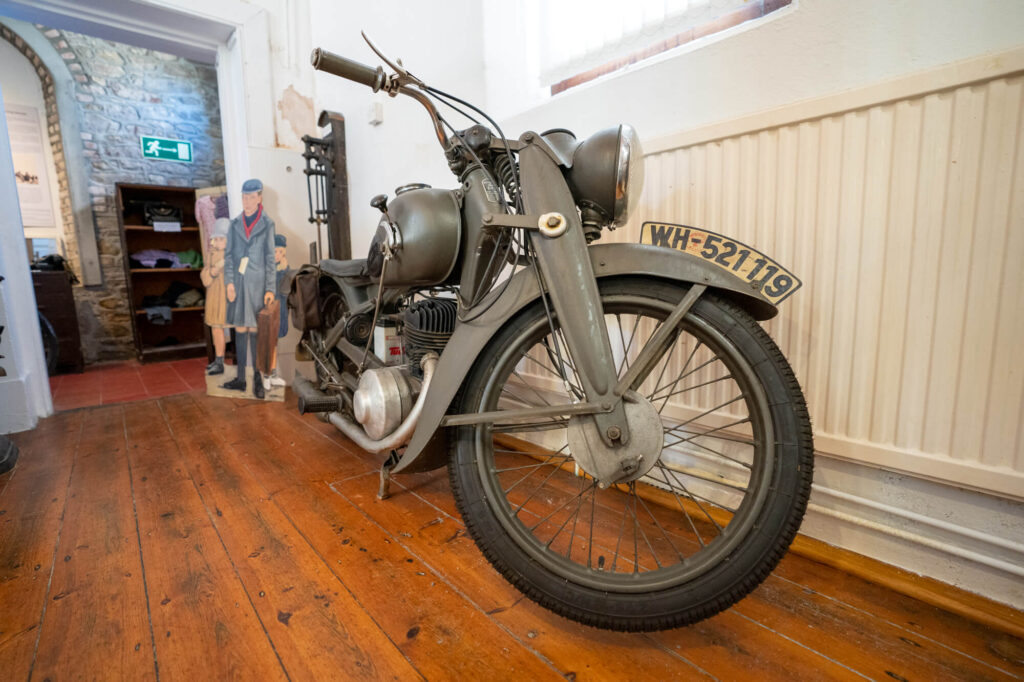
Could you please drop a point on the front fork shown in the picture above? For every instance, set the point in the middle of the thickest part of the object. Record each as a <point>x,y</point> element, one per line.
<point>572,287</point>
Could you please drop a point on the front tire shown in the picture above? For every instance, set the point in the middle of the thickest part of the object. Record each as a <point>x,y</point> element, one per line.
<point>696,534</point>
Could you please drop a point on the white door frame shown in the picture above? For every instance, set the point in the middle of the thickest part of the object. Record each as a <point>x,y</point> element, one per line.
<point>183,27</point>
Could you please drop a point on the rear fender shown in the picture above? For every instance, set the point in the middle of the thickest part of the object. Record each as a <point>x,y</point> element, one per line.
<point>608,260</point>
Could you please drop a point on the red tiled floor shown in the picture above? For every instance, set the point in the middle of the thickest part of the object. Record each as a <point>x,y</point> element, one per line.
<point>126,382</point>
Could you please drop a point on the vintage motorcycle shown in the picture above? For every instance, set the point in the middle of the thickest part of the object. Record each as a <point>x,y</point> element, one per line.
<point>625,443</point>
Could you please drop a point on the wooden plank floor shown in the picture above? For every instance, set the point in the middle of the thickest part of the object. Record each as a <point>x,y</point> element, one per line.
<point>189,537</point>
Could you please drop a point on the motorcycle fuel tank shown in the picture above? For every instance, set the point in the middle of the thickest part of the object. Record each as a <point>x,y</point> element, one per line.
<point>425,235</point>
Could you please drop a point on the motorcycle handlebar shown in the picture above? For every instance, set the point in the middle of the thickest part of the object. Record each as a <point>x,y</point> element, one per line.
<point>337,65</point>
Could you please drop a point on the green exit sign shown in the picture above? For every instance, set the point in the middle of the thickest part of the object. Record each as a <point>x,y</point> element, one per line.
<point>163,148</point>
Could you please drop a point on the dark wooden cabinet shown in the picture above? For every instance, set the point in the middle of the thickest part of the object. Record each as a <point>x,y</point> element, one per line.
<point>185,334</point>
<point>57,304</point>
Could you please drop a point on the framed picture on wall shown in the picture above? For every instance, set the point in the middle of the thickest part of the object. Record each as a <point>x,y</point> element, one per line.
<point>23,128</point>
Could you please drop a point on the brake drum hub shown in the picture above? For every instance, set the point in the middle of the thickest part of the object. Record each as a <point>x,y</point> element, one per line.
<point>621,463</point>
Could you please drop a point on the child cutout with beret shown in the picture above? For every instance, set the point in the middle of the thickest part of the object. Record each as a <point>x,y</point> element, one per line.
<point>212,276</point>
<point>284,282</point>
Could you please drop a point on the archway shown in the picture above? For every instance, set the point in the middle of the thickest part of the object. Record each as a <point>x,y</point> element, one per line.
<point>79,229</point>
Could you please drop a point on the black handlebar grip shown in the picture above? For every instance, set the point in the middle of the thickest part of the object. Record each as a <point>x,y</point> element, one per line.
<point>337,65</point>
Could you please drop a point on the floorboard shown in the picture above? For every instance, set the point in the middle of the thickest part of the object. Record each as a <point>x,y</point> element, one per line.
<point>96,615</point>
<point>31,509</point>
<point>317,627</point>
<point>189,537</point>
<point>368,561</point>
<point>204,618</point>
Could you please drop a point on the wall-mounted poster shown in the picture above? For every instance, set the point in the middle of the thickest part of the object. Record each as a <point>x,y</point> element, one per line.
<point>28,154</point>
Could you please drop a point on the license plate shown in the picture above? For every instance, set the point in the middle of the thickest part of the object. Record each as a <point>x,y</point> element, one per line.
<point>775,282</point>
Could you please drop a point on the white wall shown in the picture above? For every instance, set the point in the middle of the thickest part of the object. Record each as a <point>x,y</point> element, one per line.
<point>439,42</point>
<point>24,393</point>
<point>21,85</point>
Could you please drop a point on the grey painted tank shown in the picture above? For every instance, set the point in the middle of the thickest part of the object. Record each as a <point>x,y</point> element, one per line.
<point>429,228</point>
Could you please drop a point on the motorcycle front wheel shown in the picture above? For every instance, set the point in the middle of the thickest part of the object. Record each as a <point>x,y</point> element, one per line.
<point>701,529</point>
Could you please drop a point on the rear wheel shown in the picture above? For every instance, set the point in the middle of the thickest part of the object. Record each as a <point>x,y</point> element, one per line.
<point>701,529</point>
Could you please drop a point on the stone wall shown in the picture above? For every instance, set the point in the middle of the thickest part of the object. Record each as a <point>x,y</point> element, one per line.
<point>124,92</point>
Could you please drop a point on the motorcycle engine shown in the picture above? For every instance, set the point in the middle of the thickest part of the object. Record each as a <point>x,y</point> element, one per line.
<point>385,396</point>
<point>427,326</point>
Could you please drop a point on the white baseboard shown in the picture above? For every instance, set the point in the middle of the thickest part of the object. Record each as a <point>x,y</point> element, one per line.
<point>15,414</point>
<point>962,537</point>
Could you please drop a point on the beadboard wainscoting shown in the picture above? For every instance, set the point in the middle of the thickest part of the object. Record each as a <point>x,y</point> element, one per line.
<point>901,207</point>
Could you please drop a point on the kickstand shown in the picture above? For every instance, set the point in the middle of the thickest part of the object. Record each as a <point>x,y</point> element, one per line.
<point>384,492</point>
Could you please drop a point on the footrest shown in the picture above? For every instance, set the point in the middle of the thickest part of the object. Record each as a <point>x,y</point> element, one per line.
<point>312,399</point>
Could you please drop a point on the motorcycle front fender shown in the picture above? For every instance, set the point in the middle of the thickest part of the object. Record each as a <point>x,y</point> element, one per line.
<point>608,260</point>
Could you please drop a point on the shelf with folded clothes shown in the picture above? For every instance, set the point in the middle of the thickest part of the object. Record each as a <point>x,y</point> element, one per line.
<point>150,228</point>
<point>160,267</point>
<point>148,270</point>
<point>147,260</point>
<point>186,309</point>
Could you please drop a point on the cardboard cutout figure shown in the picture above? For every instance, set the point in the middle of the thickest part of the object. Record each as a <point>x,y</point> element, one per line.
<point>212,276</point>
<point>284,282</point>
<point>250,283</point>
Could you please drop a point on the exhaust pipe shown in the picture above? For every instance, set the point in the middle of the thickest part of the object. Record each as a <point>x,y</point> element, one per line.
<point>312,399</point>
<point>403,433</point>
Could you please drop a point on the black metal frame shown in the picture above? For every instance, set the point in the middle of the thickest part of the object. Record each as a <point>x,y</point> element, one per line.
<point>327,186</point>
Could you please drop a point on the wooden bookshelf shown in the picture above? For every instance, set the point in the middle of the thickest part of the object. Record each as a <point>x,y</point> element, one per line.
<point>185,335</point>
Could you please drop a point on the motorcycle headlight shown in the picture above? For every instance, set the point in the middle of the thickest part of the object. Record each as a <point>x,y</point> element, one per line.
<point>607,173</point>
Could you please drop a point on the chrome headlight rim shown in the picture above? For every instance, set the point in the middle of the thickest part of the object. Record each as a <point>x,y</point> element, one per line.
<point>629,176</point>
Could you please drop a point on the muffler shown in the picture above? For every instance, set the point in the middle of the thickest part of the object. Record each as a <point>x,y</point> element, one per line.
<point>402,434</point>
<point>312,399</point>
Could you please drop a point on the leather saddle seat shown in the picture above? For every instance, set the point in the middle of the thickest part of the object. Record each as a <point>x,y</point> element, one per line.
<point>355,268</point>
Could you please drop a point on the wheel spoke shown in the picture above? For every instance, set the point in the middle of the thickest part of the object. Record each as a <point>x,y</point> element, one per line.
<point>573,388</point>
<point>526,466</point>
<point>708,478</point>
<point>622,527</point>
<point>682,508</point>
<point>625,353</point>
<point>576,518</point>
<point>678,378</point>
<point>695,501</point>
<point>728,437</point>
<point>665,364</point>
<point>704,414</point>
<point>567,360</point>
<point>560,508</point>
<point>655,396</point>
<point>663,531</point>
<point>590,540</point>
<point>636,533</point>
<point>691,441</point>
<point>636,522</point>
<point>554,470</point>
<point>720,505</point>
<point>547,461</point>
<point>694,387</point>
<point>531,387</point>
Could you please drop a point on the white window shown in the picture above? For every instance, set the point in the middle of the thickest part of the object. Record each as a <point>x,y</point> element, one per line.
<point>582,39</point>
